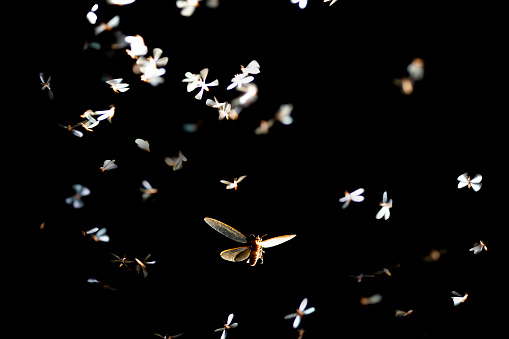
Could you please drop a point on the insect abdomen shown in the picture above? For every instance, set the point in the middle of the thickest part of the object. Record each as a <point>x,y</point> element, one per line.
<point>256,253</point>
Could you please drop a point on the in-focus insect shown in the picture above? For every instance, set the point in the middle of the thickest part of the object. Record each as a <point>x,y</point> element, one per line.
<point>400,313</point>
<point>354,196</point>
<point>227,325</point>
<point>234,184</point>
<point>478,247</point>
<point>108,165</point>
<point>46,84</point>
<point>475,182</point>
<point>176,162</point>
<point>458,299</point>
<point>97,234</point>
<point>75,200</point>
<point>142,265</point>
<point>147,190</point>
<point>239,79</point>
<point>123,261</point>
<point>253,252</point>
<point>300,313</point>
<point>386,206</point>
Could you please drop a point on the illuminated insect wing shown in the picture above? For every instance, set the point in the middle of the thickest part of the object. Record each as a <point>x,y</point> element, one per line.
<point>46,84</point>
<point>476,182</point>
<point>252,68</point>
<point>458,299</point>
<point>277,240</point>
<point>400,313</point>
<point>236,254</point>
<point>108,165</point>
<point>101,236</point>
<point>122,261</point>
<point>302,3</point>
<point>463,180</point>
<point>478,247</point>
<point>283,114</point>
<point>142,265</point>
<point>107,26</point>
<point>143,144</point>
<point>226,230</point>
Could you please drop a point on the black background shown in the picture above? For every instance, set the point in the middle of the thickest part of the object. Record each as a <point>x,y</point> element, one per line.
<point>352,128</point>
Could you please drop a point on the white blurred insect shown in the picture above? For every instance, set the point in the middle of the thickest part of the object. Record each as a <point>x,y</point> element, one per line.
<point>458,299</point>
<point>147,190</point>
<point>416,69</point>
<point>332,3</point>
<point>105,286</point>
<point>142,265</point>
<point>240,79</point>
<point>91,16</point>
<point>188,7</point>
<point>151,73</point>
<point>374,299</point>
<point>405,84</point>
<point>300,313</point>
<point>107,26</point>
<point>123,261</point>
<point>204,86</point>
<point>283,114</point>
<point>354,196</point>
<point>176,162</point>
<point>252,68</point>
<point>143,144</point>
<point>193,81</point>
<point>75,200</point>
<point>138,47</point>
<point>234,184</point>
<point>97,234</point>
<point>475,182</point>
<point>478,247</point>
<point>108,165</point>
<point>224,109</point>
<point>386,206</point>
<point>71,129</point>
<point>46,85</point>
<point>400,313</point>
<point>250,95</point>
<point>386,270</point>
<point>302,3</point>
<point>117,85</point>
<point>228,325</point>
<point>160,62</point>
<point>264,127</point>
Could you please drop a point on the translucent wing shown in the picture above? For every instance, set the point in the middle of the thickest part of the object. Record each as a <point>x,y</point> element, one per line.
<point>477,179</point>
<point>230,318</point>
<point>253,67</point>
<point>456,294</point>
<point>146,184</point>
<point>309,311</point>
<point>357,192</point>
<point>226,230</point>
<point>463,178</point>
<point>382,212</point>
<point>462,184</point>
<point>296,322</point>
<point>289,316</point>
<point>277,240</point>
<point>475,186</point>
<point>236,254</point>
<point>241,178</point>
<point>203,73</point>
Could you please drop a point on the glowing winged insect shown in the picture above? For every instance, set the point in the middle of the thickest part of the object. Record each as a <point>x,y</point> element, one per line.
<point>108,165</point>
<point>97,234</point>
<point>458,299</point>
<point>46,84</point>
<point>478,247</point>
<point>359,277</point>
<point>107,26</point>
<point>475,182</point>
<point>354,196</point>
<point>400,313</point>
<point>91,16</point>
<point>147,190</point>
<point>138,47</point>
<point>227,325</point>
<point>142,265</point>
<point>374,299</point>
<point>204,86</point>
<point>166,336</point>
<point>300,313</point>
<point>234,184</point>
<point>143,144</point>
<point>123,261</point>
<point>75,200</point>
<point>188,7</point>
<point>252,68</point>
<point>283,114</point>
<point>253,251</point>
<point>176,162</point>
<point>71,129</point>
<point>239,79</point>
<point>332,3</point>
<point>386,206</point>
<point>117,85</point>
<point>302,3</point>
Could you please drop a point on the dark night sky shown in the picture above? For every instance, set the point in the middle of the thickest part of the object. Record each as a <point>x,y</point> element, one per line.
<point>352,128</point>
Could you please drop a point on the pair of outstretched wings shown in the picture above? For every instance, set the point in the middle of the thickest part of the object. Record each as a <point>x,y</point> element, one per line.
<point>241,253</point>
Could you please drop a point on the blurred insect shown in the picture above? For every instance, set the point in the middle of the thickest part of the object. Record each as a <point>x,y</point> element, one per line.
<point>123,261</point>
<point>143,144</point>
<point>108,165</point>
<point>252,68</point>
<point>228,325</point>
<point>359,277</point>
<point>147,190</point>
<point>188,7</point>
<point>400,313</point>
<point>302,3</point>
<point>253,251</point>
<point>142,265</point>
<point>193,81</point>
<point>264,127</point>
<point>478,247</point>
<point>434,255</point>
<point>159,62</point>
<point>416,69</point>
<point>107,26</point>
<point>151,73</point>
<point>332,3</point>
<point>354,196</point>
<point>91,122</point>
<point>91,16</point>
<point>120,2</point>
<point>386,270</point>
<point>104,114</point>
<point>117,85</point>
<point>176,162</point>
<point>239,79</point>
<point>46,85</point>
<point>458,299</point>
<point>283,114</point>
<point>249,97</point>
<point>138,47</point>
<point>75,200</point>
<point>166,336</point>
<point>374,299</point>
<point>405,84</point>
<point>97,234</point>
<point>301,333</point>
<point>300,313</point>
<point>386,206</point>
<point>204,86</point>
<point>475,182</point>
<point>95,281</point>
<point>234,184</point>
<point>71,129</point>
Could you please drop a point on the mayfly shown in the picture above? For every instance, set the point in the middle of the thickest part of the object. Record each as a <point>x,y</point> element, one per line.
<point>46,84</point>
<point>227,325</point>
<point>123,261</point>
<point>253,251</point>
<point>475,182</point>
<point>354,196</point>
<point>300,313</point>
<point>142,265</point>
<point>458,299</point>
<point>234,184</point>
<point>386,206</point>
<point>478,247</point>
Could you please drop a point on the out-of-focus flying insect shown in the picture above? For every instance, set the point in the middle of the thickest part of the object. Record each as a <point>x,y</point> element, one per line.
<point>478,247</point>
<point>300,313</point>
<point>117,85</point>
<point>71,129</point>
<point>91,122</point>
<point>374,299</point>
<point>302,3</point>
<point>147,190</point>
<point>359,277</point>
<point>46,85</point>
<point>123,261</point>
<point>475,182</point>
<point>91,16</point>
<point>386,206</point>
<point>166,336</point>
<point>458,299</point>
<point>283,114</point>
<point>354,196</point>
<point>416,69</point>
<point>253,251</point>
<point>434,255</point>
<point>176,162</point>
<point>332,2</point>
<point>143,144</point>
<point>142,265</point>
<point>75,200</point>
<point>301,333</point>
<point>227,325</point>
<point>107,26</point>
<point>188,7</point>
<point>252,68</point>
<point>400,313</point>
<point>108,165</point>
<point>239,79</point>
<point>138,47</point>
<point>234,184</point>
<point>95,281</point>
<point>97,234</point>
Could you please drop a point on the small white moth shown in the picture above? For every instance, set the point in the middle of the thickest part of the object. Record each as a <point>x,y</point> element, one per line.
<point>240,79</point>
<point>228,325</point>
<point>97,234</point>
<point>107,26</point>
<point>475,182</point>
<point>386,206</point>
<point>46,85</point>
<point>252,68</point>
<point>75,200</point>
<point>458,299</point>
<point>204,86</point>
<point>400,313</point>
<point>147,190</point>
<point>300,313</point>
<point>283,114</point>
<point>234,184</point>
<point>188,7</point>
<point>108,165</point>
<point>176,162</point>
<point>138,47</point>
<point>354,196</point>
<point>478,247</point>
<point>117,85</point>
<point>91,16</point>
<point>142,265</point>
<point>143,144</point>
<point>374,299</point>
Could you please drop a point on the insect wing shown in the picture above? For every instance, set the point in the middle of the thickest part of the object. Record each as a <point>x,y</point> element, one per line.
<point>463,180</point>
<point>475,186</point>
<point>253,67</point>
<point>309,311</point>
<point>277,240</point>
<point>356,195</point>
<point>477,179</point>
<point>241,178</point>
<point>303,304</point>
<point>203,73</point>
<point>296,322</point>
<point>230,318</point>
<point>236,254</point>
<point>384,200</point>
<point>226,230</point>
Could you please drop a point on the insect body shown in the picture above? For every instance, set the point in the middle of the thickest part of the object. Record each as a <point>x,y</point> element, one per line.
<point>253,251</point>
